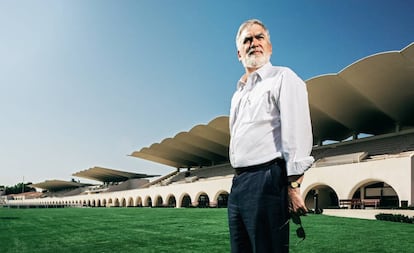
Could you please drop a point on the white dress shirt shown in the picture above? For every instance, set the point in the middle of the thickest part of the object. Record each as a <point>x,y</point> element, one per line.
<point>269,118</point>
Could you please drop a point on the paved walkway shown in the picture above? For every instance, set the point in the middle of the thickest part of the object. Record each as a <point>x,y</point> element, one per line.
<point>364,213</point>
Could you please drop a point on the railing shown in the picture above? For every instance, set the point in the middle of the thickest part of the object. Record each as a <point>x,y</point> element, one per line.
<point>359,203</point>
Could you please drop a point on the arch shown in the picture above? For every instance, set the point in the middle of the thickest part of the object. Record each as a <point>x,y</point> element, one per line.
<point>148,201</point>
<point>93,203</point>
<point>203,200</point>
<point>158,201</point>
<point>222,199</point>
<point>109,202</point>
<point>320,196</point>
<point>116,202</point>
<point>185,200</point>
<point>138,201</point>
<point>130,202</point>
<point>362,183</point>
<point>123,202</point>
<point>375,193</point>
<point>104,202</point>
<point>171,202</point>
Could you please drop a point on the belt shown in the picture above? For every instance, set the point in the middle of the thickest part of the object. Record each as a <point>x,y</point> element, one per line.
<point>279,161</point>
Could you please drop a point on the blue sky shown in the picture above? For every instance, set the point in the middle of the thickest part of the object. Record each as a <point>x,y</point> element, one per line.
<point>85,83</point>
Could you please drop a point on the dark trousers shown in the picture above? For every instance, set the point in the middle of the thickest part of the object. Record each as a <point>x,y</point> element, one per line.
<point>258,210</point>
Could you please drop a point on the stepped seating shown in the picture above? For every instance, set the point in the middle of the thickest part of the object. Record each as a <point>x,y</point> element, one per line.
<point>333,154</point>
<point>200,174</point>
<point>341,159</point>
<point>215,171</point>
<point>177,178</point>
<point>372,146</point>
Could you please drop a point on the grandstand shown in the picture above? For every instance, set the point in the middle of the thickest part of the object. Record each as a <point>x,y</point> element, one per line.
<point>363,124</point>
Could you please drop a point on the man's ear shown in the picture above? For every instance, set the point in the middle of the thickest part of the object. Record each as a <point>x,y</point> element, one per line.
<point>238,55</point>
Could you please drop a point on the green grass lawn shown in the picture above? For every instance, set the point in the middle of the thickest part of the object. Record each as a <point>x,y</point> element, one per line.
<point>180,230</point>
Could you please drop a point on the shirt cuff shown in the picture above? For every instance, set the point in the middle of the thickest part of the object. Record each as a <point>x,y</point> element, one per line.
<point>299,167</point>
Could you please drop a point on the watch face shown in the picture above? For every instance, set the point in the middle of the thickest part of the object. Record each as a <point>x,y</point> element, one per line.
<point>294,184</point>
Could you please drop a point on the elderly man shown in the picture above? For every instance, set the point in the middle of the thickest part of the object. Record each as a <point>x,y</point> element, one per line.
<point>270,145</point>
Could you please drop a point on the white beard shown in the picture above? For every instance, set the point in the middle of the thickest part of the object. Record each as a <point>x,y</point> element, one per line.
<point>255,61</point>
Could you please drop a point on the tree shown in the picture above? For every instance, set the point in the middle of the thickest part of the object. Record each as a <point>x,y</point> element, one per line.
<point>19,188</point>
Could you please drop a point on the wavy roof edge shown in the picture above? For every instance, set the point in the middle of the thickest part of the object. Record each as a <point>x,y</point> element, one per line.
<point>358,99</point>
<point>109,175</point>
<point>373,95</point>
<point>406,48</point>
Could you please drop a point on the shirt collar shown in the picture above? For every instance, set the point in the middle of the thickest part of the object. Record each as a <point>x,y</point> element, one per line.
<point>262,73</point>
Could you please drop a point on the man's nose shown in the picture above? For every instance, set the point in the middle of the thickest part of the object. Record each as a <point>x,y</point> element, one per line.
<point>254,43</point>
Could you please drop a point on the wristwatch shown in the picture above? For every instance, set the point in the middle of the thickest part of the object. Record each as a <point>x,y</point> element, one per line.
<point>294,184</point>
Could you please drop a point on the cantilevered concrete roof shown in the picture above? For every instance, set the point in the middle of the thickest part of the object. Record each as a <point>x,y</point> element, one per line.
<point>374,95</point>
<point>109,175</point>
<point>203,145</point>
<point>57,185</point>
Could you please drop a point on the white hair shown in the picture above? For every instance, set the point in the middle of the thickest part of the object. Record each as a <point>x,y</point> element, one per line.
<point>246,24</point>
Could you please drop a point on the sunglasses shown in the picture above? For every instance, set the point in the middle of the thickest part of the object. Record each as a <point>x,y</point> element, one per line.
<point>300,232</point>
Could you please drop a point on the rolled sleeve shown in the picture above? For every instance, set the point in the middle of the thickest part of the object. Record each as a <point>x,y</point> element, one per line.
<point>299,167</point>
<point>296,128</point>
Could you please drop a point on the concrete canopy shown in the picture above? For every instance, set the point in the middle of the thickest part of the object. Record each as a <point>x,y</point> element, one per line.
<point>109,175</point>
<point>57,185</point>
<point>203,145</point>
<point>374,95</point>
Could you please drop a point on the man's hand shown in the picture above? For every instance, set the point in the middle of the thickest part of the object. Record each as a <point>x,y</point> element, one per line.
<point>296,203</point>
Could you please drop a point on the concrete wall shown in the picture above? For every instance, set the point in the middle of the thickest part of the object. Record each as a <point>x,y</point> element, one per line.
<point>210,187</point>
<point>344,180</point>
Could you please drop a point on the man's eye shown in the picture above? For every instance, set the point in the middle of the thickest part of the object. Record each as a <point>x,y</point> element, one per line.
<point>248,39</point>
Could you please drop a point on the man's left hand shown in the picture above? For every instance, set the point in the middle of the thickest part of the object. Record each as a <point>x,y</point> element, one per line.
<point>296,203</point>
